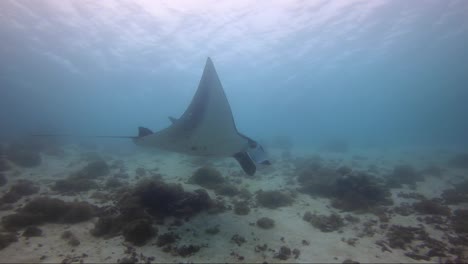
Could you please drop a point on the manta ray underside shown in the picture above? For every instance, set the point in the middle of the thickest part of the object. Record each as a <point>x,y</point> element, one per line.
<point>206,128</point>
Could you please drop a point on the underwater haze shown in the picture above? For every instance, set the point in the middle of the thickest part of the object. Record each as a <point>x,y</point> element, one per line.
<point>371,73</point>
<point>237,131</point>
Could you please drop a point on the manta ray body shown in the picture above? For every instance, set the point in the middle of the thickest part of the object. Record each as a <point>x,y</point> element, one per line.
<point>206,128</point>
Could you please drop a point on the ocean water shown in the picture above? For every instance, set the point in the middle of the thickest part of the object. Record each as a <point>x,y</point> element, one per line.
<point>372,86</point>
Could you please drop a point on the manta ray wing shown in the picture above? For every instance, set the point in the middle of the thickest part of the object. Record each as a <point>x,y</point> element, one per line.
<point>206,127</point>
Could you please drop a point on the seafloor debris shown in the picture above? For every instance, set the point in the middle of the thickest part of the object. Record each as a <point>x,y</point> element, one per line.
<point>18,190</point>
<point>45,209</point>
<point>265,223</point>
<point>325,223</point>
<point>273,199</point>
<point>404,174</point>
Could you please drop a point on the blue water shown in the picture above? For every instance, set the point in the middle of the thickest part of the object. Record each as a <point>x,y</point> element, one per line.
<point>372,73</point>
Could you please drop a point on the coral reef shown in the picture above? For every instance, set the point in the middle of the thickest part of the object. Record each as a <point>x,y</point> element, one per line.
<point>71,239</point>
<point>6,239</point>
<point>284,253</point>
<point>32,231</point>
<point>113,182</point>
<point>212,179</point>
<point>416,240</point>
<point>316,179</point>
<point>73,185</point>
<point>93,170</point>
<point>360,192</point>
<point>273,199</point>
<point>167,239</point>
<point>207,177</point>
<point>350,190</point>
<point>403,174</point>
<point>432,207</point>
<point>82,180</point>
<point>325,223</point>
<point>459,221</point>
<point>238,239</point>
<point>241,208</point>
<point>187,250</point>
<point>19,189</point>
<point>265,223</point>
<point>151,199</point>
<point>459,161</point>
<point>401,236</point>
<point>456,195</point>
<point>227,190</point>
<point>44,209</point>
<point>162,199</point>
<point>139,231</point>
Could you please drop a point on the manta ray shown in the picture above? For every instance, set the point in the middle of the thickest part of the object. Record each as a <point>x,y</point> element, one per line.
<point>206,128</point>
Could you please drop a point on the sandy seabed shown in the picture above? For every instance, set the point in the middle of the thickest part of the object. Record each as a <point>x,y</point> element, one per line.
<point>363,241</point>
